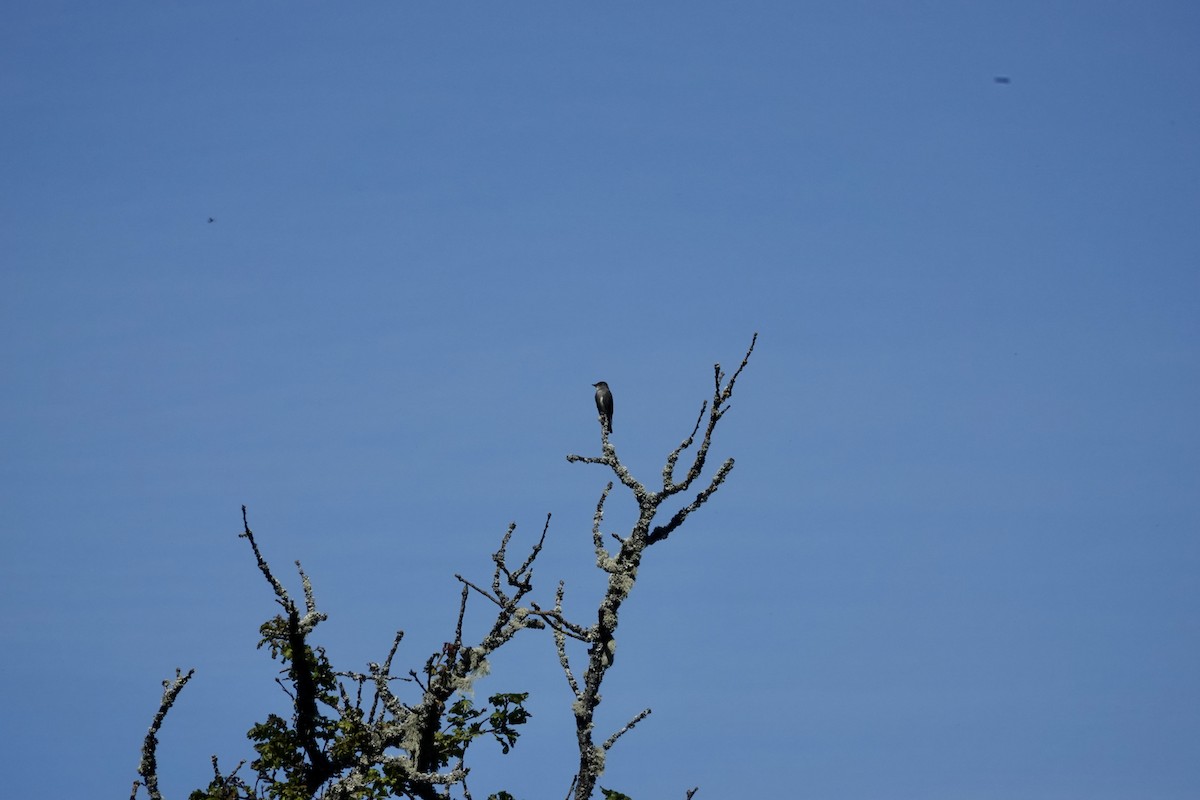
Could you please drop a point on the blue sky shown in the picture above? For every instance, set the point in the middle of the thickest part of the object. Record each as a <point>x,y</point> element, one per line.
<point>958,554</point>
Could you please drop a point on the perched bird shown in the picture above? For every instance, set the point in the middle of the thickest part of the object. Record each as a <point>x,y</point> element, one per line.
<point>604,404</point>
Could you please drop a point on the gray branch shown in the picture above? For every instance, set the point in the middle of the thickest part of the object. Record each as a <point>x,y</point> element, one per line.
<point>622,568</point>
<point>148,766</point>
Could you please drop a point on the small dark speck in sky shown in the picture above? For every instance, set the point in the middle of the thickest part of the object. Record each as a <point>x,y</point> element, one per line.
<point>210,219</point>
<point>1002,79</point>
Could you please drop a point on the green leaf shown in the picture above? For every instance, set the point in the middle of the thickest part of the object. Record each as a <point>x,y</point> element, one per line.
<point>612,794</point>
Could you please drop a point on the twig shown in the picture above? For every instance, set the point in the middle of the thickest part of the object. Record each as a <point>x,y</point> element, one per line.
<point>610,741</point>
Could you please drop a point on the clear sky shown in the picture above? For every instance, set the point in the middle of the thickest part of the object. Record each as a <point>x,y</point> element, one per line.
<point>959,556</point>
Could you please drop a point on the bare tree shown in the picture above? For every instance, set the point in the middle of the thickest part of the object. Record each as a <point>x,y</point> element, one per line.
<point>351,735</point>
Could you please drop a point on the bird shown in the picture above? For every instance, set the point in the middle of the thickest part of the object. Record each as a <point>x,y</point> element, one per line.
<point>1002,79</point>
<point>211,220</point>
<point>604,405</point>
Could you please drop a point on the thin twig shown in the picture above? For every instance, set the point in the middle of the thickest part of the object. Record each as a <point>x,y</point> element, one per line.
<point>610,741</point>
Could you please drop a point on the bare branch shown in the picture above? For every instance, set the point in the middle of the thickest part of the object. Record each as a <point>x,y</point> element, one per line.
<point>310,603</point>
<point>483,592</point>
<point>721,396</point>
<point>574,459</point>
<point>148,767</point>
<point>527,564</point>
<point>387,665</point>
<point>557,622</point>
<point>462,612</point>
<point>498,557</point>
<point>745,360</point>
<point>603,559</point>
<point>610,741</point>
<point>663,531</point>
<point>669,469</point>
<point>383,693</point>
<point>622,568</point>
<point>280,592</point>
<point>560,639</point>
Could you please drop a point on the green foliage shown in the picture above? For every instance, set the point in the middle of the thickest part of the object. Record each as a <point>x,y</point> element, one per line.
<point>466,723</point>
<point>280,758</point>
<point>220,789</point>
<point>328,735</point>
<point>612,794</point>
